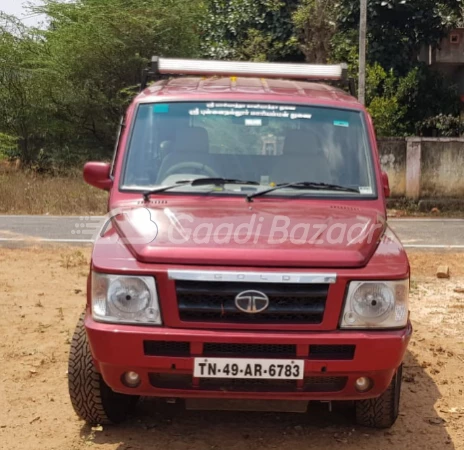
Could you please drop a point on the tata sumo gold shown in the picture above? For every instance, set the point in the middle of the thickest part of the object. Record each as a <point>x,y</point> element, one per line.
<point>246,261</point>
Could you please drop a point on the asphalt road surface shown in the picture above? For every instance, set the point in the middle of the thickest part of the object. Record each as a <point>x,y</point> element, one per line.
<point>16,230</point>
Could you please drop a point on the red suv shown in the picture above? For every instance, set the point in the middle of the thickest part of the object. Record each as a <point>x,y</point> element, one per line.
<point>246,257</point>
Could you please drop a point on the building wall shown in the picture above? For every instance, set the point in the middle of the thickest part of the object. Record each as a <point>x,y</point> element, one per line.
<point>449,52</point>
<point>448,57</point>
<point>442,169</point>
<point>392,152</point>
<point>420,168</point>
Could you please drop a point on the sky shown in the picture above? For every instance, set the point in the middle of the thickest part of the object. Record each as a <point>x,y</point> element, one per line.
<point>16,7</point>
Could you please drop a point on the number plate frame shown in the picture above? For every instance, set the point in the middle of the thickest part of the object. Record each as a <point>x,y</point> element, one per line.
<point>249,369</point>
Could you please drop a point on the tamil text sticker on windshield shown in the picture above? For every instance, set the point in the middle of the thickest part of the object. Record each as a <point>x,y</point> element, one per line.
<point>249,110</point>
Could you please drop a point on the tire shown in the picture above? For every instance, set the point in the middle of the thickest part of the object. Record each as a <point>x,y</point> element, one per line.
<point>91,398</point>
<point>381,412</point>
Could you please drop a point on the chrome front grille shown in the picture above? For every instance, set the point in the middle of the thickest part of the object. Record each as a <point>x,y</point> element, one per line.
<point>214,301</point>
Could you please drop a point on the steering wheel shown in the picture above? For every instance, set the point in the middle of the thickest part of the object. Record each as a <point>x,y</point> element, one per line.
<point>189,166</point>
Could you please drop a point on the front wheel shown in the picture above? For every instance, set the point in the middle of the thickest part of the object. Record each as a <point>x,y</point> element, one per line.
<point>381,412</point>
<point>92,399</point>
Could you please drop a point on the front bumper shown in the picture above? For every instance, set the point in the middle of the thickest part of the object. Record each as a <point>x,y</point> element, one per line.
<point>117,349</point>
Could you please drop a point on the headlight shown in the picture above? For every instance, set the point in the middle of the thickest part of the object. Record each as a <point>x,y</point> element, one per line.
<point>125,299</point>
<point>376,304</point>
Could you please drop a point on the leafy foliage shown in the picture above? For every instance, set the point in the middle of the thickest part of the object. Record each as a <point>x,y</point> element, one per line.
<point>63,89</point>
<point>399,105</point>
<point>383,103</point>
<point>25,112</point>
<point>442,126</point>
<point>315,25</point>
<point>398,28</point>
<point>426,93</point>
<point>249,29</point>
<point>8,146</point>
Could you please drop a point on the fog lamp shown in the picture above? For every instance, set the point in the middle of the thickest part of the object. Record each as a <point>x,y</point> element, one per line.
<point>131,379</point>
<point>363,384</point>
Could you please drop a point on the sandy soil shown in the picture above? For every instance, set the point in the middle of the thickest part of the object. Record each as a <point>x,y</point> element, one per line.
<point>42,295</point>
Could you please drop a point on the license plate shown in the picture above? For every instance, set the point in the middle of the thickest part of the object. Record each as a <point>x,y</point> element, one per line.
<point>266,369</point>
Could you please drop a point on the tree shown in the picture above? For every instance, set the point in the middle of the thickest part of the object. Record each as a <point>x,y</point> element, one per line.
<point>401,93</point>
<point>259,30</point>
<point>24,112</point>
<point>315,25</point>
<point>63,89</point>
<point>399,28</point>
<point>98,48</point>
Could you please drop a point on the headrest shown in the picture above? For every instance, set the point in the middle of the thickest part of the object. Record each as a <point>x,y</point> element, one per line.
<point>192,139</point>
<point>301,142</point>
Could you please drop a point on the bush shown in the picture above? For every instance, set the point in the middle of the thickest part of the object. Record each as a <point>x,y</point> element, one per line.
<point>8,146</point>
<point>442,126</point>
<point>400,105</point>
<point>387,115</point>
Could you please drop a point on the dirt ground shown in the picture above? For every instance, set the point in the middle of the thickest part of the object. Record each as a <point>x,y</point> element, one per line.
<point>42,295</point>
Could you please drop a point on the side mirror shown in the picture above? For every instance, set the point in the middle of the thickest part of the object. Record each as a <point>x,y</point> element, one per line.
<point>97,174</point>
<point>385,184</point>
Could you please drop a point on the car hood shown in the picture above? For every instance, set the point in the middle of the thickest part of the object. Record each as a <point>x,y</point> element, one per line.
<point>260,234</point>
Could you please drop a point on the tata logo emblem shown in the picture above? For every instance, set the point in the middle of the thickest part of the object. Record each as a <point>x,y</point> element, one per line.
<point>252,302</point>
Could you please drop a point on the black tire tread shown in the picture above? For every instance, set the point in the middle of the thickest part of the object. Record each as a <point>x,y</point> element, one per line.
<point>92,400</point>
<point>381,412</point>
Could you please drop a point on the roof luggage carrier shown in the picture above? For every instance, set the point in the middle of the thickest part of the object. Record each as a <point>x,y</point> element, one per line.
<point>337,73</point>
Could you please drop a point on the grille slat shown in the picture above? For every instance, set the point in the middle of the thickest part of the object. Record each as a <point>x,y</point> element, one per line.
<point>250,350</point>
<point>208,301</point>
<point>228,290</point>
<point>229,309</point>
<point>332,352</point>
<point>166,348</point>
<point>238,350</point>
<point>324,384</point>
<point>311,384</point>
<point>243,385</point>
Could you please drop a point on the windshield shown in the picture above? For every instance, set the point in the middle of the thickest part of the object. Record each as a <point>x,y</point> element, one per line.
<point>265,143</point>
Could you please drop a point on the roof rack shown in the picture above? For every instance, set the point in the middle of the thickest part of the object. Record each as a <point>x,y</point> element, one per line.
<point>313,72</point>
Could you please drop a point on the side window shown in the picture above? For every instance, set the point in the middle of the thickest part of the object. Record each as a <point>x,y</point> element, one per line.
<point>116,145</point>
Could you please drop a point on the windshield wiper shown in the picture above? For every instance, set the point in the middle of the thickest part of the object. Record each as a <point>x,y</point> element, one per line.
<point>198,182</point>
<point>304,185</point>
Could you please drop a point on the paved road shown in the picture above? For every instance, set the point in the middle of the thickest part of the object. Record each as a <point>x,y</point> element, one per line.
<point>48,228</point>
<point>429,233</point>
<point>14,230</point>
